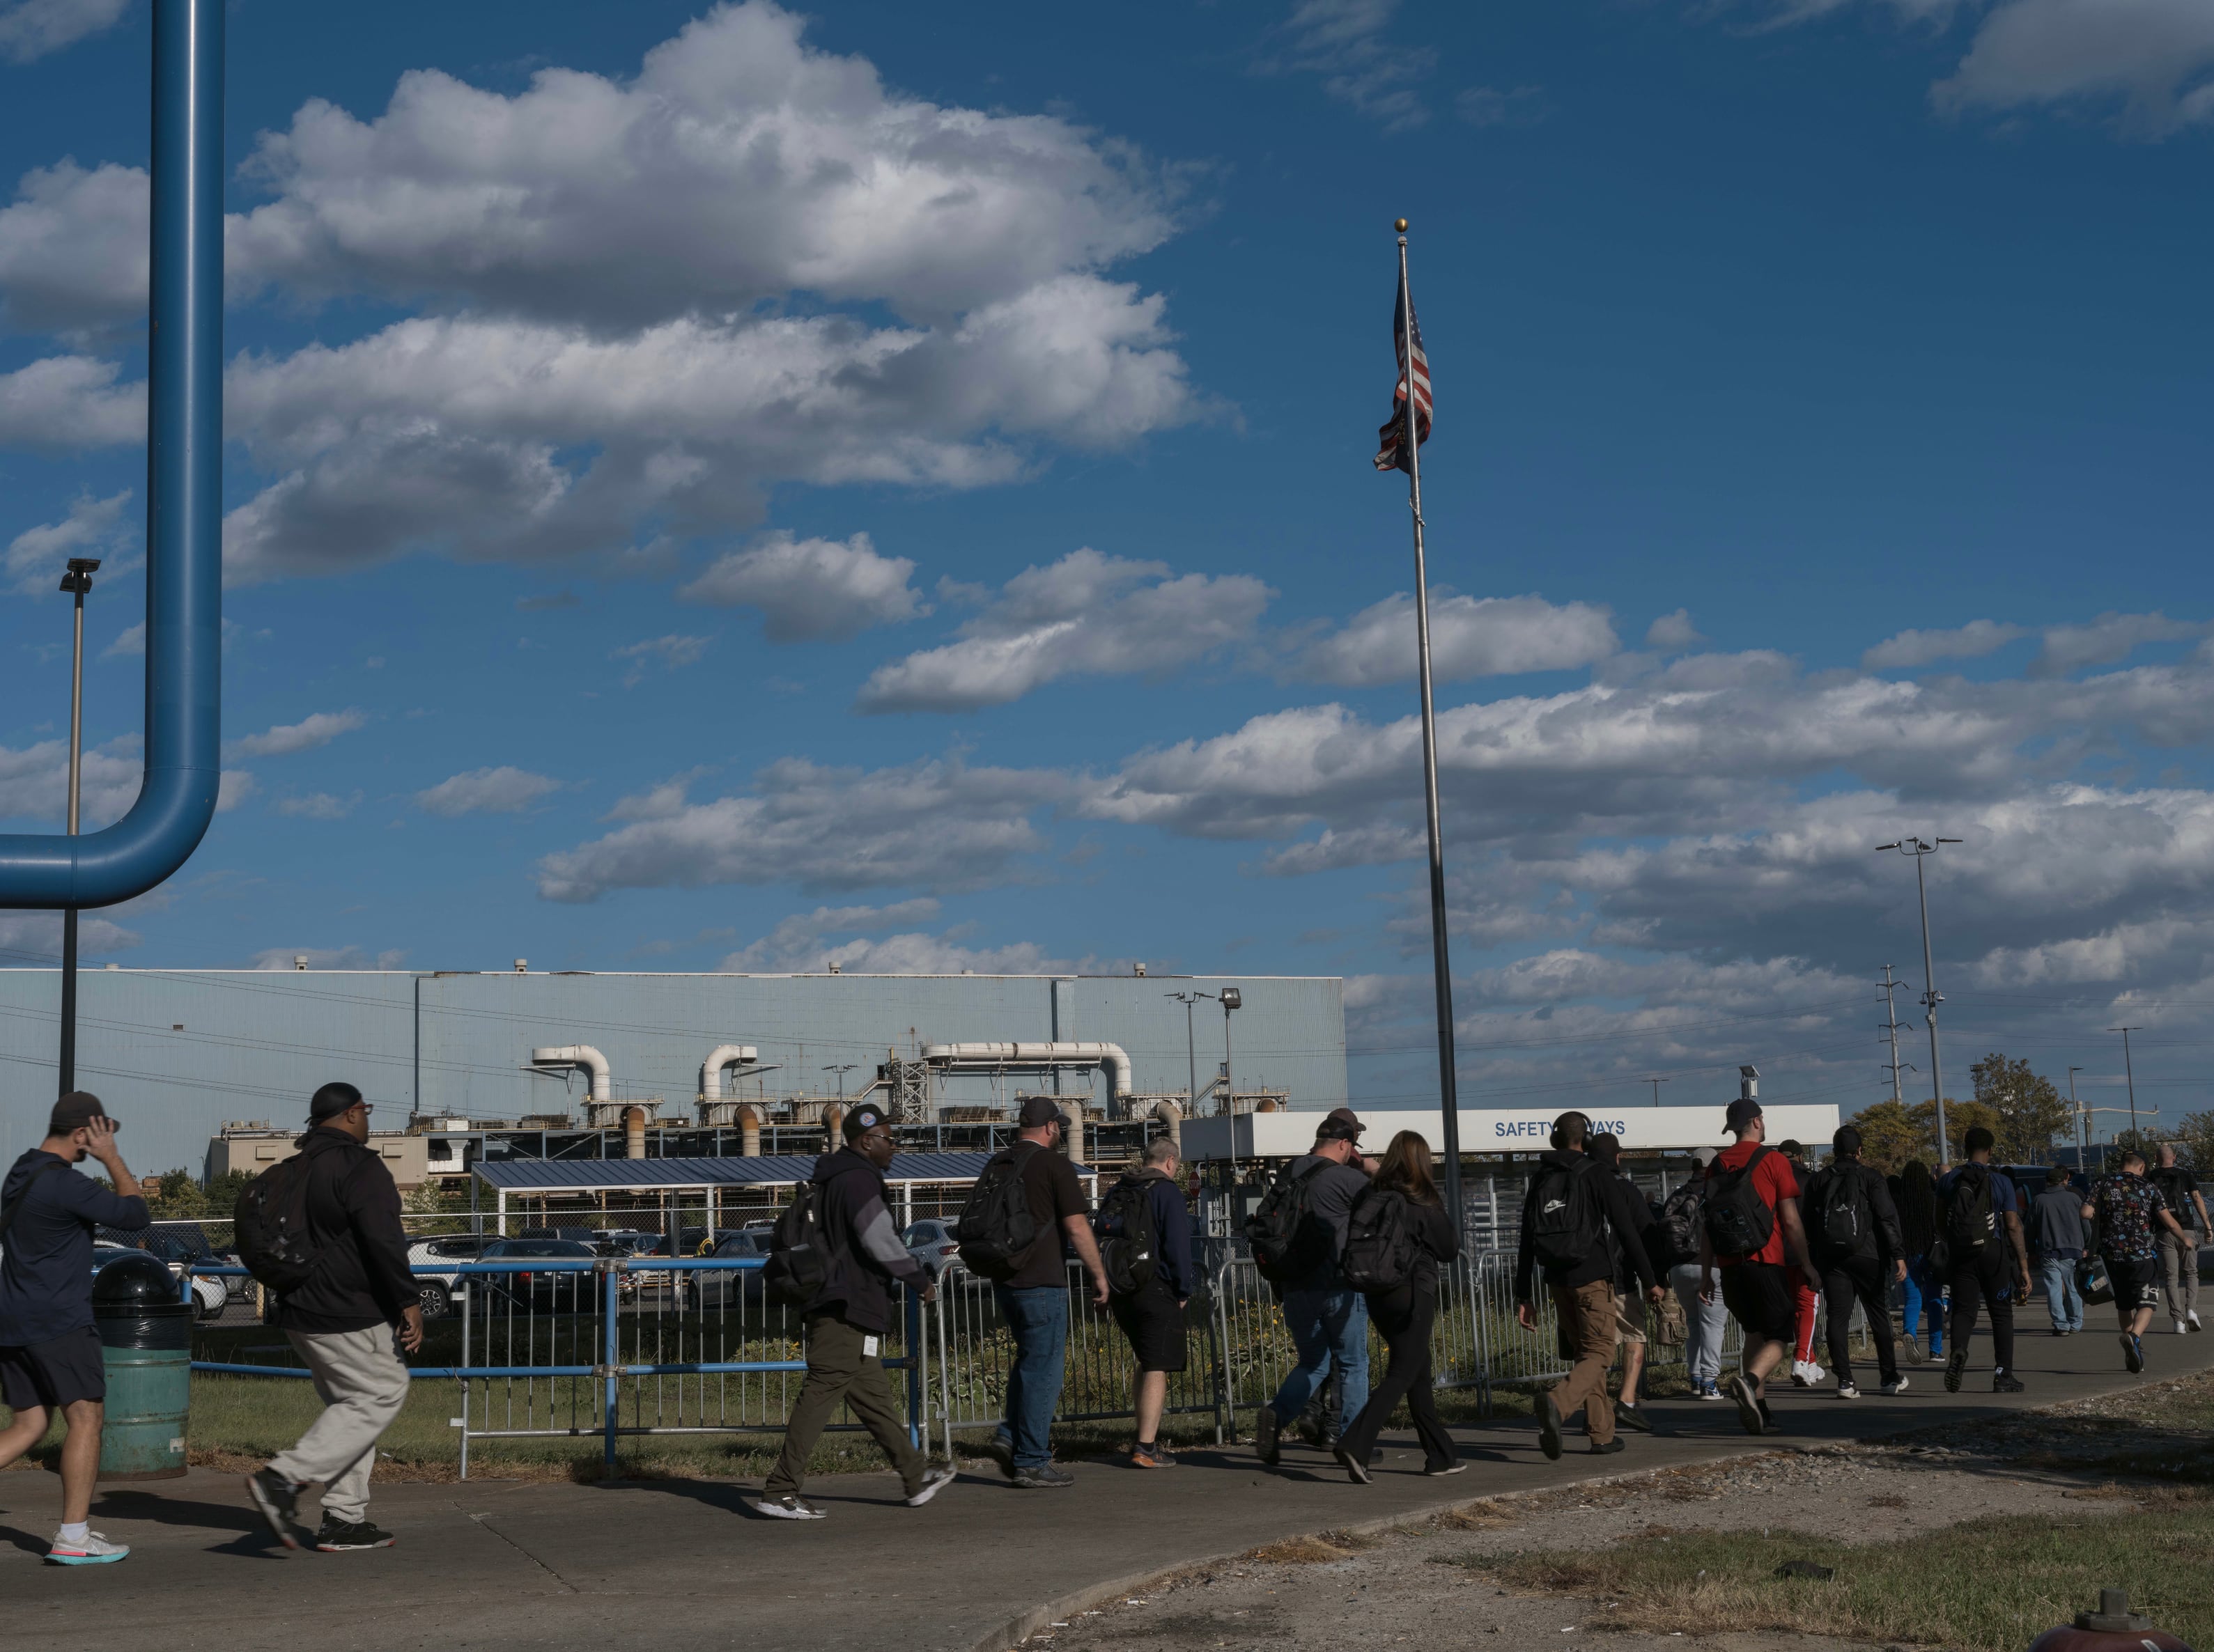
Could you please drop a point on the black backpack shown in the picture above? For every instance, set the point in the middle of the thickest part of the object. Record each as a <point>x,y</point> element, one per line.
<point>1380,1241</point>
<point>1129,1246</point>
<point>1971,1218</point>
<point>270,1224</point>
<point>1281,1237</point>
<point>1847,1216</point>
<point>1738,1221</point>
<point>1566,1224</point>
<point>1679,1223</point>
<point>997,1232</point>
<point>798,1264</point>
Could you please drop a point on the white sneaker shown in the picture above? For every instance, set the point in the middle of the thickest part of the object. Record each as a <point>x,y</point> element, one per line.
<point>2182,1329</point>
<point>95,1550</point>
<point>1805,1372</point>
<point>932,1483</point>
<point>2191,1318</point>
<point>1848,1391</point>
<point>791,1506</point>
<point>1897,1387</point>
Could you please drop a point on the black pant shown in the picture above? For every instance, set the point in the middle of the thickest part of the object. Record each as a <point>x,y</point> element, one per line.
<point>1404,1316</point>
<point>1984,1276</point>
<point>1858,1279</point>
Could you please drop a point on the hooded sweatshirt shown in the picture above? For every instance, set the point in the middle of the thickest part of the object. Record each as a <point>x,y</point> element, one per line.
<point>1618,1240</point>
<point>866,1254</point>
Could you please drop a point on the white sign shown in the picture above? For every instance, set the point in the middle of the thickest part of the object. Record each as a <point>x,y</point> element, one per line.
<point>1521,1130</point>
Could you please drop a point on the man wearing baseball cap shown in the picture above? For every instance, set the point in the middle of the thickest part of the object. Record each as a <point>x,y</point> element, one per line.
<point>1758,1285</point>
<point>1327,1318</point>
<point>50,1353</point>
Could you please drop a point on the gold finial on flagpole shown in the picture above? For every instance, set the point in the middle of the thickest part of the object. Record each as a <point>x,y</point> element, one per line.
<point>1401,226</point>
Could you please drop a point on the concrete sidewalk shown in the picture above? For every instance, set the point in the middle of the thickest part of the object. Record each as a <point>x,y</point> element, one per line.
<point>499,1564</point>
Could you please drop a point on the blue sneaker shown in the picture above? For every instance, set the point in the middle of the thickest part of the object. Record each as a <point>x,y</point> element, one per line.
<point>2132,1353</point>
<point>95,1550</point>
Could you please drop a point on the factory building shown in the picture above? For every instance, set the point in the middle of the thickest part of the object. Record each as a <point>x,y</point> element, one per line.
<point>573,1064</point>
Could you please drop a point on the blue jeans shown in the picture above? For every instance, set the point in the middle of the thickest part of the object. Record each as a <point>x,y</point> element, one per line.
<point>2062,1300</point>
<point>1704,1326</point>
<point>1038,1319</point>
<point>1924,1290</point>
<point>1325,1326</point>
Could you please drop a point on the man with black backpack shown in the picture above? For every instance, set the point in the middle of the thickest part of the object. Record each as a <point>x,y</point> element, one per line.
<point>1145,1243</point>
<point>347,1305</point>
<point>1750,1228</point>
<point>846,1319</point>
<point>1578,1220</point>
<point>1677,1227</point>
<point>1976,1205</point>
<point>1854,1230</point>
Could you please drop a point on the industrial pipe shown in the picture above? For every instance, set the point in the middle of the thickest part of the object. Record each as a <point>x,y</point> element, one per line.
<point>723,1056</point>
<point>635,1132</point>
<point>748,1133</point>
<point>1046,1056</point>
<point>1171,1115</point>
<point>834,1123</point>
<point>184,500</point>
<point>579,1055</point>
<point>1072,1129</point>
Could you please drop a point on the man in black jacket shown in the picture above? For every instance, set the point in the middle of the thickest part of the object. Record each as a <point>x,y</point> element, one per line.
<point>1852,1228</point>
<point>847,1321</point>
<point>349,1323</point>
<point>1580,1196</point>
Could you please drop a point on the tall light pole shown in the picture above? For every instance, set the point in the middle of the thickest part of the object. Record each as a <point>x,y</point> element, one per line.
<point>2130,1077</point>
<point>1231,999</point>
<point>841,1070</point>
<point>2082,1125</point>
<point>1190,1047</point>
<point>1918,851</point>
<point>77,581</point>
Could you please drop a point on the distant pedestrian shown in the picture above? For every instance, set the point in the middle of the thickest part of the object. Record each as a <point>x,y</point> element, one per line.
<point>1753,1235</point>
<point>1980,1230</point>
<point>2132,1216</point>
<point>50,1352</point>
<point>1144,1233</point>
<point>1328,1319</point>
<point>1033,1300</point>
<point>1577,1220</point>
<point>2179,1252</point>
<point>1806,1370</point>
<point>2056,1221</point>
<point>1914,1194</point>
<point>1406,1311</point>
<point>1705,1322</point>
<point>845,1322</point>
<point>1632,1318</point>
<point>1852,1229</point>
<point>348,1324</point>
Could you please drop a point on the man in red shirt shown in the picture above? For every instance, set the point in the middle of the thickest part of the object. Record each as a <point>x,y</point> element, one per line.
<point>1753,1194</point>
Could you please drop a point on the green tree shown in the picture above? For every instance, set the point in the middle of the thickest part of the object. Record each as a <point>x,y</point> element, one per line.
<point>2194,1139</point>
<point>174,1196</point>
<point>2031,1111</point>
<point>1890,1136</point>
<point>1961,1118</point>
<point>433,1209</point>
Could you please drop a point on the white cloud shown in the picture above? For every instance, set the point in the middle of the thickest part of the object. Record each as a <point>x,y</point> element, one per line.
<point>1470,636</point>
<point>29,29</point>
<point>328,958</point>
<point>671,652</point>
<point>935,825</point>
<point>131,640</point>
<point>34,781</point>
<point>1488,106</point>
<point>2153,57</point>
<point>31,939</point>
<point>658,802</point>
<point>36,557</point>
<point>73,248</point>
<point>1085,615</point>
<point>319,806</point>
<point>233,787</point>
<point>68,402</point>
<point>1674,633</point>
<point>319,728</point>
<point>811,588</point>
<point>2103,641</point>
<point>1343,42</point>
<point>503,790</point>
<point>1911,650</point>
<point>801,942</point>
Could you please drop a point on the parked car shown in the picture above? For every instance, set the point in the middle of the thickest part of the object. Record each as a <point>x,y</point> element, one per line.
<point>210,1294</point>
<point>931,1243</point>
<point>567,1290</point>
<point>435,1293</point>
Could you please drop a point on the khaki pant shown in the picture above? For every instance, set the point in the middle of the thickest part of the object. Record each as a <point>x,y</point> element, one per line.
<point>2178,1266</point>
<point>837,1369</point>
<point>363,1384</point>
<point>1588,1325</point>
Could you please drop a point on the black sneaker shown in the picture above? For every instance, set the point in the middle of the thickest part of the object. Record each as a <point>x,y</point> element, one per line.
<point>1607,1450</point>
<point>1002,1451</point>
<point>1956,1367</point>
<point>2132,1353</point>
<point>1912,1350</point>
<point>2005,1382</point>
<point>1044,1477</point>
<point>1752,1410</point>
<point>1265,1431</point>
<point>934,1482</point>
<point>278,1499</point>
<point>1549,1427</point>
<point>790,1506</point>
<point>1632,1418</point>
<point>341,1536</point>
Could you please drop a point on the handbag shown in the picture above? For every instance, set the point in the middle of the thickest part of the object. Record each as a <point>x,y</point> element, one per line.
<point>2092,1282</point>
<point>1672,1328</point>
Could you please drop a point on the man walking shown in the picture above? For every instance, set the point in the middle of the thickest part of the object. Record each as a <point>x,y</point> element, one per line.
<point>1981,1225</point>
<point>1034,1299</point>
<point>845,1321</point>
<point>50,1352</point>
<point>2056,1218</point>
<point>1328,1318</point>
<point>349,1324</point>
<point>1853,1229</point>
<point>1704,1322</point>
<point>1151,1315</point>
<point>1752,1233</point>
<point>2178,1251</point>
<point>2131,1212</point>
<point>1578,1220</point>
<point>1632,1318</point>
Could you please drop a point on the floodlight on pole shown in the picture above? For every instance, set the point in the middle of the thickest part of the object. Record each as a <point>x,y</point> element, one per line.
<point>842,1070</point>
<point>77,583</point>
<point>1917,851</point>
<point>2129,1077</point>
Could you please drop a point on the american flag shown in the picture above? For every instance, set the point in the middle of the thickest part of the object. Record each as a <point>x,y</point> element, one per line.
<point>1391,455</point>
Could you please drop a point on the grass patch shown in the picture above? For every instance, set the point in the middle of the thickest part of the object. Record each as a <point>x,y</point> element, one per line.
<point>1485,1516</point>
<point>1991,1584</point>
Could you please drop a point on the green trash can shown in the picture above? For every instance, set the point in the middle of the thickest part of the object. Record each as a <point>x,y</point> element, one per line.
<point>146,1344</point>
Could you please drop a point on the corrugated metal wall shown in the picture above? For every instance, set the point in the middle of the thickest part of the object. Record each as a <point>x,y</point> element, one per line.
<point>174,1053</point>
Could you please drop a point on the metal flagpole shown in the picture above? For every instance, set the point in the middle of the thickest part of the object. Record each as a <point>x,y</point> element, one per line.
<point>1448,1094</point>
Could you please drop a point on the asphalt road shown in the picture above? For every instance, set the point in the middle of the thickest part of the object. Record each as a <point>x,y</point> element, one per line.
<point>500,1564</point>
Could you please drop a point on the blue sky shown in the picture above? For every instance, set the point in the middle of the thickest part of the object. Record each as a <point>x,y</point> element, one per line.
<point>743,488</point>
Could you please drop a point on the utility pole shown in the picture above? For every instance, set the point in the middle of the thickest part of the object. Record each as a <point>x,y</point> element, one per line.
<point>1656,1083</point>
<point>1190,1047</point>
<point>2131,1077</point>
<point>1917,851</point>
<point>77,581</point>
<point>1891,1025</point>
<point>2082,1125</point>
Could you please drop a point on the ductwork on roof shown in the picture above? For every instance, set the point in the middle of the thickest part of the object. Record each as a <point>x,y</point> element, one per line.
<point>956,1057</point>
<point>723,1056</point>
<point>579,1055</point>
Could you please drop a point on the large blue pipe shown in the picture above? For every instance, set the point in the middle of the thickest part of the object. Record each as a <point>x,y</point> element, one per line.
<point>184,500</point>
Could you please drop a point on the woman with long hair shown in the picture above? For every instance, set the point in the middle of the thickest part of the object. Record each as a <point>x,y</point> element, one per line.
<point>1404,1314</point>
<point>1914,1194</point>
